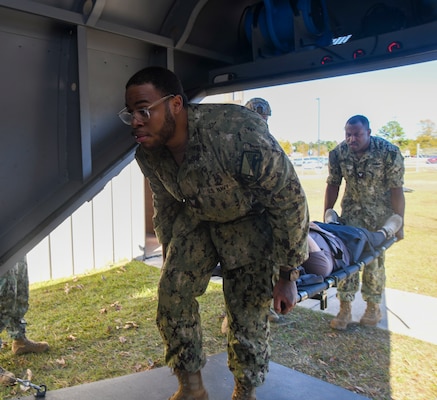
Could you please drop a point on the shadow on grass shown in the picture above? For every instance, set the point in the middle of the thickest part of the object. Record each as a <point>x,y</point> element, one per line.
<point>357,359</point>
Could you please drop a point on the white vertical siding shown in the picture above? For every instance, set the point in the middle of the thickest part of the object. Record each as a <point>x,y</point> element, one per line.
<point>82,231</point>
<point>107,229</point>
<point>138,211</point>
<point>61,250</point>
<point>39,260</point>
<point>103,239</point>
<point>121,215</point>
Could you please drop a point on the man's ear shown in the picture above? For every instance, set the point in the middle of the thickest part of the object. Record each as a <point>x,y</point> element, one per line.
<point>177,104</point>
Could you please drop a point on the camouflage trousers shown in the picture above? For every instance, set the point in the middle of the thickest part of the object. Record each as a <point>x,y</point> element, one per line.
<point>14,300</point>
<point>193,252</point>
<point>373,275</point>
<point>372,285</point>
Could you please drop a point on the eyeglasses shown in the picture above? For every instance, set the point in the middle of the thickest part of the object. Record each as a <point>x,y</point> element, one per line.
<point>142,114</point>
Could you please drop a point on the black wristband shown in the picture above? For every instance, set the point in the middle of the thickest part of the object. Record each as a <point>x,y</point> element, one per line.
<point>288,275</point>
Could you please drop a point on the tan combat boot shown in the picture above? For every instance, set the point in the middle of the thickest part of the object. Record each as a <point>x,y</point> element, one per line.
<point>24,345</point>
<point>6,378</point>
<point>190,386</point>
<point>225,325</point>
<point>343,318</point>
<point>243,391</point>
<point>372,315</point>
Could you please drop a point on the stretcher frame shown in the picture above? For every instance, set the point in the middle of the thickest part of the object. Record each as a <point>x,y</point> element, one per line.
<point>319,291</point>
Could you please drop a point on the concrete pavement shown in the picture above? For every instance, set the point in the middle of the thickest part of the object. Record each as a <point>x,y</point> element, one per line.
<point>159,384</point>
<point>404,313</point>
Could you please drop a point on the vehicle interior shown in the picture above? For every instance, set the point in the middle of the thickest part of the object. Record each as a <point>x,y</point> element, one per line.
<point>65,64</point>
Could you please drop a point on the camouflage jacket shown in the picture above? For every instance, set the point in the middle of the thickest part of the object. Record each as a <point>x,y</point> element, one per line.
<point>233,167</point>
<point>367,200</point>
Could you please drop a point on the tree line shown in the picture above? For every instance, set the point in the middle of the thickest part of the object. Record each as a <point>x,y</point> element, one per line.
<point>392,131</point>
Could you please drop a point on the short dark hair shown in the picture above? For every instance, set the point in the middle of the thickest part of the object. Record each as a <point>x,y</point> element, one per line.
<point>161,78</point>
<point>358,119</point>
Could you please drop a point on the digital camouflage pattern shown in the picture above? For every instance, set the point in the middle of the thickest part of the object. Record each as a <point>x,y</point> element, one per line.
<point>260,106</point>
<point>14,300</point>
<point>366,203</point>
<point>237,200</point>
<point>190,259</point>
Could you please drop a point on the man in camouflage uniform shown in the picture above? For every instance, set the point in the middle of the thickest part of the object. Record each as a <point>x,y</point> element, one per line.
<point>373,169</point>
<point>260,106</point>
<point>223,191</point>
<point>14,302</point>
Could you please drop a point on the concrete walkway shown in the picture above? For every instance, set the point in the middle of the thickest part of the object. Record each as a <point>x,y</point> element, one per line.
<point>404,313</point>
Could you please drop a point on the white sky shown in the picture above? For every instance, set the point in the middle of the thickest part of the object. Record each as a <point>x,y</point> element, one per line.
<point>405,94</point>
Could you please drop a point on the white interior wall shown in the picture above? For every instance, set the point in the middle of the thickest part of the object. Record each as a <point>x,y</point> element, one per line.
<point>108,229</point>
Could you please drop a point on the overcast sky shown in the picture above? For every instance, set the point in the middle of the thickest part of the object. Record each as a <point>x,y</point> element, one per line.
<point>405,94</point>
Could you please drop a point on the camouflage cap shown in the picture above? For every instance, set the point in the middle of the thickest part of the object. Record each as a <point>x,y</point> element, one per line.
<point>259,105</point>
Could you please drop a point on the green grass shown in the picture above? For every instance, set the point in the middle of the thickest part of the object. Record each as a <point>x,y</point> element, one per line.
<point>369,361</point>
<point>102,325</point>
<point>416,256</point>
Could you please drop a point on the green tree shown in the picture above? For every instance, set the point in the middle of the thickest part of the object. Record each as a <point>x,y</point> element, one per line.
<point>330,144</point>
<point>428,137</point>
<point>286,146</point>
<point>428,128</point>
<point>301,147</point>
<point>393,132</point>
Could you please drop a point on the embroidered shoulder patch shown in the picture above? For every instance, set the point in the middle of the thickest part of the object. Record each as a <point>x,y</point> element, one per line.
<point>250,165</point>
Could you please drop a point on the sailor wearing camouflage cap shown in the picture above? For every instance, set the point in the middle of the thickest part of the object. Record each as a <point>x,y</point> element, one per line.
<point>261,106</point>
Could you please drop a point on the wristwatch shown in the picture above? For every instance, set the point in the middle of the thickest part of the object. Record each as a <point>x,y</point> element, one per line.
<point>288,275</point>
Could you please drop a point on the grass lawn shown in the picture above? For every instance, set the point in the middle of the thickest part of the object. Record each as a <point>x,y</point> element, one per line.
<point>102,325</point>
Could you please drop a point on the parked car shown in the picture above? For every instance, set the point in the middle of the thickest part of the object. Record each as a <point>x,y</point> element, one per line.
<point>297,162</point>
<point>431,160</point>
<point>324,160</point>
<point>312,162</point>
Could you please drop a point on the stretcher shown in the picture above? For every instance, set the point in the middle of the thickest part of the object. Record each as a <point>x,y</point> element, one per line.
<point>319,291</point>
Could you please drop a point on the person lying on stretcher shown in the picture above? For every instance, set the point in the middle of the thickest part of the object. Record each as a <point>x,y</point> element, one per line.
<point>328,252</point>
<point>323,243</point>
